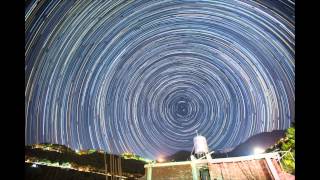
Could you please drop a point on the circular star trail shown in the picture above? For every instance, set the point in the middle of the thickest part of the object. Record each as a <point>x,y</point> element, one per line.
<point>144,76</point>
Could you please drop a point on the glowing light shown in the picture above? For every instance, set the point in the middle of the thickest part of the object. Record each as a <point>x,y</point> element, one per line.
<point>160,159</point>
<point>258,150</point>
<point>34,165</point>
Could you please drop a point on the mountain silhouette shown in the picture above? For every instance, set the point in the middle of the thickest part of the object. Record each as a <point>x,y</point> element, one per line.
<point>262,140</point>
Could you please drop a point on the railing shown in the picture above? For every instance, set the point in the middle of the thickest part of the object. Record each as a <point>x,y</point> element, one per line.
<point>274,155</point>
<point>197,162</point>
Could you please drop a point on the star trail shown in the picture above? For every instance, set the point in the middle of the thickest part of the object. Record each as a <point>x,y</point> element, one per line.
<point>143,76</point>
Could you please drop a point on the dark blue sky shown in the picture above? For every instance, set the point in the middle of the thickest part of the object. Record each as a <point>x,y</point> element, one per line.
<point>143,76</point>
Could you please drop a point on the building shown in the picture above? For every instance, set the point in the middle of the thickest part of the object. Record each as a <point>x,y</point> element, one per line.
<point>261,167</point>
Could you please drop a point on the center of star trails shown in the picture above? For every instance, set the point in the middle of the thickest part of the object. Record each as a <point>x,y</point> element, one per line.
<point>182,108</point>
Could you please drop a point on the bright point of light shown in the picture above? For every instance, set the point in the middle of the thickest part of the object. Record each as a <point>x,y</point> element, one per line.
<point>160,160</point>
<point>258,150</point>
<point>34,165</point>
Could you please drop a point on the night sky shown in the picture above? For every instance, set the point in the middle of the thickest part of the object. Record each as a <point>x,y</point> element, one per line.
<point>143,76</point>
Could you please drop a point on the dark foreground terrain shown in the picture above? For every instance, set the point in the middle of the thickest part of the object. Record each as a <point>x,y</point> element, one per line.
<point>54,173</point>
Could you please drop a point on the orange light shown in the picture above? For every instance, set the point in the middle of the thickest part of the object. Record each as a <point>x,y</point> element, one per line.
<point>160,160</point>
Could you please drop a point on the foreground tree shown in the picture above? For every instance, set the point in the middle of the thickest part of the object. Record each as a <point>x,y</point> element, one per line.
<point>286,147</point>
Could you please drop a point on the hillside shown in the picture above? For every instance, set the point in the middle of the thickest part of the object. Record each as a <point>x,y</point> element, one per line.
<point>58,156</point>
